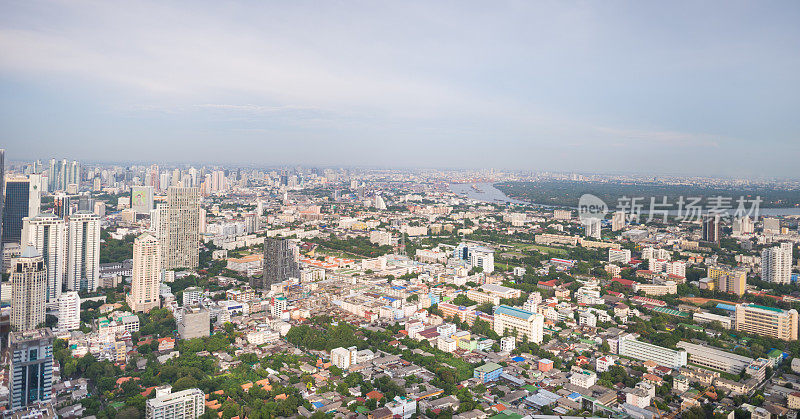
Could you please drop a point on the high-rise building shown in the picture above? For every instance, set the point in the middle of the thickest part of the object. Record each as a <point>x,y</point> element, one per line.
<point>711,228</point>
<point>184,404</point>
<point>22,200</point>
<point>592,228</point>
<point>142,199</point>
<point>62,205</point>
<point>726,279</point>
<point>2,190</point>
<point>28,290</point>
<point>83,252</point>
<point>31,369</point>
<point>766,321</point>
<point>69,311</point>
<point>743,225</point>
<point>155,177</point>
<point>618,221</point>
<point>146,274</point>
<point>48,234</point>
<point>178,228</point>
<point>776,264</point>
<point>62,174</point>
<point>279,263</point>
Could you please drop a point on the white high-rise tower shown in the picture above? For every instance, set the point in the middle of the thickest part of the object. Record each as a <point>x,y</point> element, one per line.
<point>48,234</point>
<point>178,228</point>
<point>83,251</point>
<point>776,264</point>
<point>146,274</point>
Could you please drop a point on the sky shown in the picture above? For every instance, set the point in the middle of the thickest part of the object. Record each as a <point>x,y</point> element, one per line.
<point>695,88</point>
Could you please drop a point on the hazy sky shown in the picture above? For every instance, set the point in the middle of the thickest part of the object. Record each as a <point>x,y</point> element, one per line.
<point>609,86</point>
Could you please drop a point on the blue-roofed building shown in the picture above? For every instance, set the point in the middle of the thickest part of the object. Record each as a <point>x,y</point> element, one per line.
<point>488,372</point>
<point>523,324</point>
<point>728,307</point>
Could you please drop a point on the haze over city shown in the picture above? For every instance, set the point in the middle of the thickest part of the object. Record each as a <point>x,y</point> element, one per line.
<point>705,88</point>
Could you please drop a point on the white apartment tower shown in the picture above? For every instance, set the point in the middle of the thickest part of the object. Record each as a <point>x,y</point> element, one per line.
<point>28,284</point>
<point>178,228</point>
<point>83,251</point>
<point>69,311</point>
<point>146,274</point>
<point>48,234</point>
<point>776,264</point>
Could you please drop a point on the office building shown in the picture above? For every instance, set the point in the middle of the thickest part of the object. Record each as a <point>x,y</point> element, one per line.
<point>727,279</point>
<point>69,311</point>
<point>279,264</point>
<point>22,199</point>
<point>618,221</point>
<point>766,321</point>
<point>31,370</point>
<point>619,255</point>
<point>195,322</point>
<point>776,264</point>
<point>48,234</point>
<point>628,346</point>
<point>28,290</point>
<point>713,358</point>
<point>146,279</point>
<point>710,231</point>
<point>83,251</point>
<point>178,228</point>
<point>476,256</point>
<point>142,199</point>
<point>184,404</point>
<point>519,323</point>
<point>62,174</point>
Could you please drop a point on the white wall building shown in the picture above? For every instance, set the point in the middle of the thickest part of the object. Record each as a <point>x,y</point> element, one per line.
<point>69,311</point>
<point>83,252</point>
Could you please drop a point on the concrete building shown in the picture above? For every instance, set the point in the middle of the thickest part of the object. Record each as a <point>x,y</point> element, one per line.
<point>592,228</point>
<point>766,321</point>
<point>31,369</point>
<point>147,264</point>
<point>710,231</point>
<point>184,404</point>
<point>83,251</point>
<point>178,228</point>
<point>507,344</point>
<point>619,255</point>
<point>279,264</point>
<point>69,311</point>
<point>717,359</point>
<point>488,372</point>
<point>523,324</point>
<point>633,348</point>
<point>28,290</point>
<point>195,322</point>
<point>48,234</point>
<point>618,221</point>
<point>583,378</point>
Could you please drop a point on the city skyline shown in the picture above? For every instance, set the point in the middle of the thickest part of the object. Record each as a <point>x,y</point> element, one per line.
<point>618,88</point>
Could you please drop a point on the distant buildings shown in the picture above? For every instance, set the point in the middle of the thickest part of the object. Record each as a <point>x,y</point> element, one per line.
<point>279,264</point>
<point>766,321</point>
<point>178,228</point>
<point>29,287</point>
<point>31,369</point>
<point>146,278</point>
<point>776,264</point>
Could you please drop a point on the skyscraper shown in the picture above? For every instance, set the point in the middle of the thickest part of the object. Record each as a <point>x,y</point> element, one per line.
<point>776,264</point>
<point>2,190</point>
<point>83,252</point>
<point>178,228</point>
<point>711,228</point>
<point>22,200</point>
<point>592,228</point>
<point>31,370</point>
<point>146,274</point>
<point>618,221</point>
<point>48,234</point>
<point>28,285</point>
<point>279,263</point>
